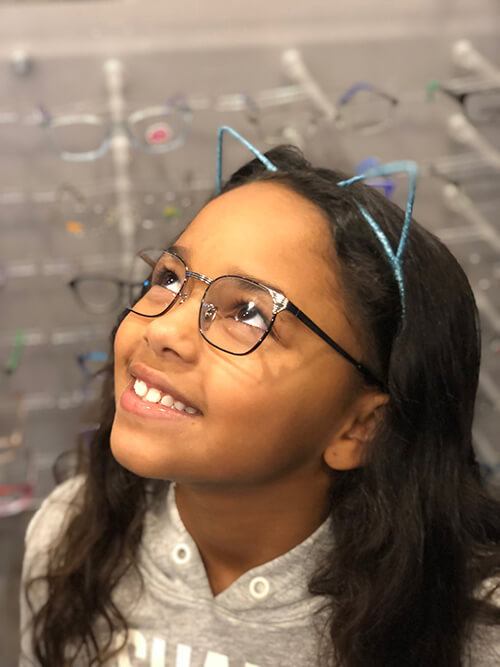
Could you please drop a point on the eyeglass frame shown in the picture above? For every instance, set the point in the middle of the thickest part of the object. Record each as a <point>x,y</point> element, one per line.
<point>345,98</point>
<point>253,112</point>
<point>94,355</point>
<point>50,122</point>
<point>26,487</point>
<point>121,285</point>
<point>280,303</point>
<point>12,441</point>
<point>461,96</point>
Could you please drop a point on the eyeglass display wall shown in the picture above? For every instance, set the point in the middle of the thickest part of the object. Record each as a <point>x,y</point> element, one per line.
<point>108,122</point>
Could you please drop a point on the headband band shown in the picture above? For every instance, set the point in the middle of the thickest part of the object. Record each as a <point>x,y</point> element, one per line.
<point>402,166</point>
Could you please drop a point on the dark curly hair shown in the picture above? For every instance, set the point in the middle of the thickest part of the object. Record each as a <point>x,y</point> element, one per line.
<point>415,530</point>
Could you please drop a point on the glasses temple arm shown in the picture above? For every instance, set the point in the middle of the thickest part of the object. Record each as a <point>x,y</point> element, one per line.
<point>309,323</point>
<point>147,259</point>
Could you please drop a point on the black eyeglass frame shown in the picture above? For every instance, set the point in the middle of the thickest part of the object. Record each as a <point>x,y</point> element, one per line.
<point>122,287</point>
<point>280,301</point>
<point>461,98</point>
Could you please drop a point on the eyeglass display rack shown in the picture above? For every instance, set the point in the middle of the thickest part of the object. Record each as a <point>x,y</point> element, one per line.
<point>44,252</point>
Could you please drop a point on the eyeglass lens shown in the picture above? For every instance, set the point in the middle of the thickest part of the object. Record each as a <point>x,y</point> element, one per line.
<point>78,134</point>
<point>151,129</point>
<point>483,107</point>
<point>235,313</point>
<point>365,109</point>
<point>97,294</point>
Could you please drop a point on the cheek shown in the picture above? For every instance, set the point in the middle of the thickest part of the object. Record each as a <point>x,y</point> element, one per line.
<point>274,415</point>
<point>127,337</point>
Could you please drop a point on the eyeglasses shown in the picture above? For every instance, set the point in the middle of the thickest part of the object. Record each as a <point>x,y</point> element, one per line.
<point>480,101</point>
<point>362,108</point>
<point>17,484</point>
<point>85,137</point>
<point>152,207</point>
<point>18,471</point>
<point>15,416</point>
<point>295,124</point>
<point>236,313</point>
<point>92,362</point>
<point>365,108</point>
<point>100,294</point>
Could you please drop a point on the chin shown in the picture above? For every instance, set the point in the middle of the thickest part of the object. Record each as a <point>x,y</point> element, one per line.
<point>140,456</point>
<point>126,452</point>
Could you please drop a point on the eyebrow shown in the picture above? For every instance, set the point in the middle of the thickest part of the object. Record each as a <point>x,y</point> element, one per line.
<point>184,254</point>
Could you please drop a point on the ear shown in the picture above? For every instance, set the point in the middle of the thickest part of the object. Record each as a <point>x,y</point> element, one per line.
<point>346,450</point>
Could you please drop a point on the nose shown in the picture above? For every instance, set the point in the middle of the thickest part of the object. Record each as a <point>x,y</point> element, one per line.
<point>177,330</point>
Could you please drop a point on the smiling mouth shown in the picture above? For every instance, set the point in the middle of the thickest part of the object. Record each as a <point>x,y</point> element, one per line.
<point>152,387</point>
<point>155,396</point>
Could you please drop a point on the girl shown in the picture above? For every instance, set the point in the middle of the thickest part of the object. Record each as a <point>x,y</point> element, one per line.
<point>283,473</point>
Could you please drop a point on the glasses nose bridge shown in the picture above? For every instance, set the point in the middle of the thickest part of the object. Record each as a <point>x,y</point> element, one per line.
<point>193,274</point>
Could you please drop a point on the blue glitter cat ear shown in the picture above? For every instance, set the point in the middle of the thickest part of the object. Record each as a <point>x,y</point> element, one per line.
<point>267,163</point>
<point>405,166</point>
<point>385,183</point>
<point>395,258</point>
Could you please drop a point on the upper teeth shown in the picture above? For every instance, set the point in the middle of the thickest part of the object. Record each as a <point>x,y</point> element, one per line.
<point>153,395</point>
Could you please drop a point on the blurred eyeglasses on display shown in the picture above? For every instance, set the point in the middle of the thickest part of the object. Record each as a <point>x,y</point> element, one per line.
<point>85,137</point>
<point>294,124</point>
<point>75,211</point>
<point>365,108</point>
<point>101,294</point>
<point>82,214</point>
<point>18,471</point>
<point>12,422</point>
<point>92,363</point>
<point>480,100</point>
<point>18,479</point>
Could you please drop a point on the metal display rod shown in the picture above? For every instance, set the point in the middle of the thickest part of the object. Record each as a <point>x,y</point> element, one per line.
<point>120,148</point>
<point>298,72</point>
<point>459,202</point>
<point>465,55</point>
<point>460,129</point>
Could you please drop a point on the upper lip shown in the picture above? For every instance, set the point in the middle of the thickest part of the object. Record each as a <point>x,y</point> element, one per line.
<point>155,379</point>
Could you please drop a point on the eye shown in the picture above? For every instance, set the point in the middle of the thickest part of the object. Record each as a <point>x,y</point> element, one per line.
<point>168,279</point>
<point>248,313</point>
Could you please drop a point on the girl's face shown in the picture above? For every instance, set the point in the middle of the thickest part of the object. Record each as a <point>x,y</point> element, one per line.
<point>263,416</point>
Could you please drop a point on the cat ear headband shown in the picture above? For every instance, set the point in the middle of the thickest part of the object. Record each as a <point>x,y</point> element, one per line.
<point>404,166</point>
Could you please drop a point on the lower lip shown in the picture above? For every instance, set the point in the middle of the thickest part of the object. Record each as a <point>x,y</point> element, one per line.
<point>130,402</point>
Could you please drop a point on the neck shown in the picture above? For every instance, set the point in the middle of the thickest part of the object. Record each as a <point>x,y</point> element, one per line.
<point>238,529</point>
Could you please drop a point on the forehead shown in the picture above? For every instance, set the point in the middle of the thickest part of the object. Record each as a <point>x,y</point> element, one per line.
<point>268,231</point>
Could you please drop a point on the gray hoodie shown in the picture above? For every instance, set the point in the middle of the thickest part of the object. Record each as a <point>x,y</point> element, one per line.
<point>266,618</point>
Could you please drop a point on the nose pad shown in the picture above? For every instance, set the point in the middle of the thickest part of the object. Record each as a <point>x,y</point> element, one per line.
<point>209,312</point>
<point>186,293</point>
